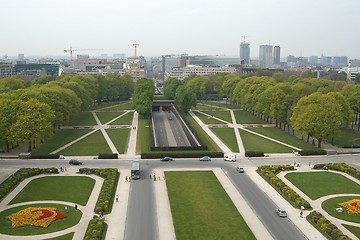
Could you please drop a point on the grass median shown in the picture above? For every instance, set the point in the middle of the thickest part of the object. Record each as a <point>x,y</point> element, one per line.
<point>201,209</point>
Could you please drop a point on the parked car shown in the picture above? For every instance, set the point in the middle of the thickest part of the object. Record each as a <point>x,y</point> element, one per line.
<point>240,169</point>
<point>281,212</point>
<point>75,162</point>
<point>230,158</point>
<point>205,158</point>
<point>167,159</point>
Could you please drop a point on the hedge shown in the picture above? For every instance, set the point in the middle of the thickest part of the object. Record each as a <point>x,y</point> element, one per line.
<point>329,230</point>
<point>96,229</point>
<point>254,154</point>
<point>312,152</point>
<point>107,192</point>
<point>108,156</point>
<point>341,167</point>
<point>269,174</point>
<point>45,156</point>
<point>11,182</point>
<point>193,154</point>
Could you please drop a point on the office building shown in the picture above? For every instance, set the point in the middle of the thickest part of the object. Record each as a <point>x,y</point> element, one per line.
<point>276,55</point>
<point>245,53</point>
<point>266,56</point>
<point>313,60</point>
<point>340,60</point>
<point>183,72</point>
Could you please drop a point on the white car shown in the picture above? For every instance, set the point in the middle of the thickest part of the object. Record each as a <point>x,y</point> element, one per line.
<point>281,212</point>
<point>240,169</point>
<point>230,158</point>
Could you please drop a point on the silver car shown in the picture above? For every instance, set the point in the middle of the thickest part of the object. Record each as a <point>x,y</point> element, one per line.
<point>281,212</point>
<point>205,158</point>
<point>240,169</point>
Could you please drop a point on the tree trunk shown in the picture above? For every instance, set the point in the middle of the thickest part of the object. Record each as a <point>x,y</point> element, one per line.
<point>29,147</point>
<point>308,138</point>
<point>7,146</point>
<point>319,143</point>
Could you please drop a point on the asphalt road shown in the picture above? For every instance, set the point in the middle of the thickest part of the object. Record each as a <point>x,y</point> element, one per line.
<point>141,217</point>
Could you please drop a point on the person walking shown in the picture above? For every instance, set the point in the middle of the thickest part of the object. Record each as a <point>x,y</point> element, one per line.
<point>301,214</point>
<point>150,175</point>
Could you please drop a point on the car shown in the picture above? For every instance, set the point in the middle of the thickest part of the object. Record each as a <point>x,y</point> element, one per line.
<point>240,169</point>
<point>205,158</point>
<point>75,162</point>
<point>230,158</point>
<point>170,118</point>
<point>281,212</point>
<point>167,159</point>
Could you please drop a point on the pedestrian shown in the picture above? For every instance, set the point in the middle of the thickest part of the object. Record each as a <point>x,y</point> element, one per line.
<point>117,198</point>
<point>75,207</point>
<point>154,178</point>
<point>301,214</point>
<point>60,168</point>
<point>159,178</point>
<point>65,169</point>
<point>126,179</point>
<point>150,175</point>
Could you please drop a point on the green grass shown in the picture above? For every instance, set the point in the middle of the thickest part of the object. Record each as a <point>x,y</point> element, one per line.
<point>256,143</point>
<point>319,184</point>
<point>92,145</point>
<point>206,119</point>
<point>223,105</point>
<point>105,117</point>
<point>201,209</point>
<point>354,230</point>
<point>227,136</point>
<point>347,137</point>
<point>83,119</point>
<point>280,135</point>
<point>120,138</point>
<point>203,137</point>
<point>331,204</point>
<point>243,117</point>
<point>121,106</point>
<point>127,119</point>
<point>68,236</point>
<point>61,138</point>
<point>75,189</point>
<point>200,106</point>
<point>143,136</point>
<point>224,115</point>
<point>73,217</point>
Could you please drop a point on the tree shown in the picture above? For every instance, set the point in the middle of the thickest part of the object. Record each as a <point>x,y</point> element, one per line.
<point>185,98</point>
<point>34,121</point>
<point>8,111</point>
<point>143,96</point>
<point>170,86</point>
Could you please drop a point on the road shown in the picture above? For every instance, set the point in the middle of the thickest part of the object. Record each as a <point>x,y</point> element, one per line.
<point>168,130</point>
<point>141,218</point>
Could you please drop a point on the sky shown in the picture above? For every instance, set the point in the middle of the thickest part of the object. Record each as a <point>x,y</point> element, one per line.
<point>196,27</point>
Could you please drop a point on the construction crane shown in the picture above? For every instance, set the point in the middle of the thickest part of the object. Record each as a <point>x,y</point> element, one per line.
<point>243,37</point>
<point>71,50</point>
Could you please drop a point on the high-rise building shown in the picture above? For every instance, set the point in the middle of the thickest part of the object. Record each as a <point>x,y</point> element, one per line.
<point>313,60</point>
<point>266,56</point>
<point>276,55</point>
<point>245,52</point>
<point>340,60</point>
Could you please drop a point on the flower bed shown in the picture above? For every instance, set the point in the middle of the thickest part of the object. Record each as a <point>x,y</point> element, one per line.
<point>352,206</point>
<point>35,216</point>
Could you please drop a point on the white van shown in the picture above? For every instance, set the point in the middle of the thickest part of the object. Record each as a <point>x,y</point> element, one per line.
<point>230,158</point>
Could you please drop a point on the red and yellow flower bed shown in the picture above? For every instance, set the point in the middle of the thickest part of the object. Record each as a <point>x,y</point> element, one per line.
<point>35,216</point>
<point>352,206</point>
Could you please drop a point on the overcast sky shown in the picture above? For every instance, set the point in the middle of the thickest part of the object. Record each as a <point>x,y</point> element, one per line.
<point>196,27</point>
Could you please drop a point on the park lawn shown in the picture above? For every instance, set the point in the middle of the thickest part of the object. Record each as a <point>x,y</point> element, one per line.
<point>223,105</point>
<point>143,136</point>
<point>120,106</point>
<point>75,189</point>
<point>282,136</point>
<point>256,143</point>
<point>206,119</point>
<point>243,117</point>
<point>331,204</point>
<point>319,184</point>
<point>105,117</point>
<point>92,145</point>
<point>348,138</point>
<point>224,115</point>
<point>72,218</point>
<point>201,209</point>
<point>83,119</point>
<point>354,230</point>
<point>227,136</point>
<point>61,137</point>
<point>200,106</point>
<point>120,138</point>
<point>202,136</point>
<point>127,119</point>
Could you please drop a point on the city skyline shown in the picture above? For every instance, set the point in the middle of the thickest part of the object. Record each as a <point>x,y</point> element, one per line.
<point>301,28</point>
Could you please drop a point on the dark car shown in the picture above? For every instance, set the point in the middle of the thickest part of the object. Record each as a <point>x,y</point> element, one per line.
<point>205,158</point>
<point>75,162</point>
<point>166,159</point>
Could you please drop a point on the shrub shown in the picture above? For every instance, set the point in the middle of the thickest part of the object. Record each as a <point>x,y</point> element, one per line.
<point>254,154</point>
<point>45,156</point>
<point>341,167</point>
<point>312,152</point>
<point>269,174</point>
<point>108,156</point>
<point>96,229</point>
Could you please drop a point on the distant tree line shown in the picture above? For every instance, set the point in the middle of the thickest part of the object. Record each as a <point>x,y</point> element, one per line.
<point>30,110</point>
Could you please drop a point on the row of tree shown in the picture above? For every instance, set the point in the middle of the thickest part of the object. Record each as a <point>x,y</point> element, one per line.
<point>31,110</point>
<point>315,107</point>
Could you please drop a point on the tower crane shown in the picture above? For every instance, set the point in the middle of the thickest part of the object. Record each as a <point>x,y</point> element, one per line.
<point>243,37</point>
<point>71,50</point>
